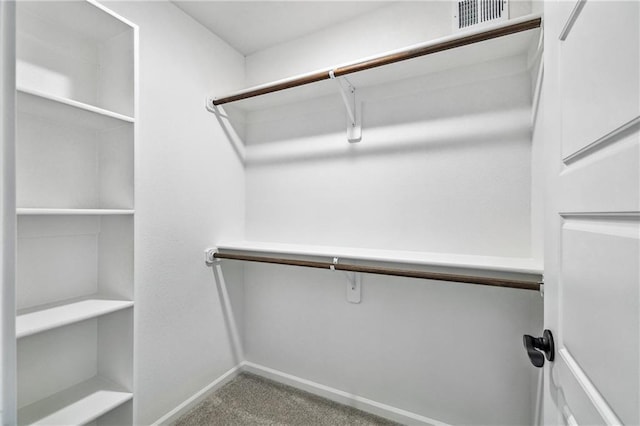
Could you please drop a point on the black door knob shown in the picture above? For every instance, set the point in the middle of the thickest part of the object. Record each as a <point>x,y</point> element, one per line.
<point>536,344</point>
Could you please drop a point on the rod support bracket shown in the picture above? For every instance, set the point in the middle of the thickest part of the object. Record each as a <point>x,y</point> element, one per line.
<point>354,287</point>
<point>209,105</point>
<point>354,282</point>
<point>353,106</point>
<point>213,108</point>
<point>209,256</point>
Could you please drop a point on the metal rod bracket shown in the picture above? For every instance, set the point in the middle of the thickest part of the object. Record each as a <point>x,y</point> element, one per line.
<point>213,108</point>
<point>209,256</point>
<point>354,282</point>
<point>353,106</point>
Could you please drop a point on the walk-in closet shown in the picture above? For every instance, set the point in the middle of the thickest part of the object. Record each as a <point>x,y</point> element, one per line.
<point>320,212</point>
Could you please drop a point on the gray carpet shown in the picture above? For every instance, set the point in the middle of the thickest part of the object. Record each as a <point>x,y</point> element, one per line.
<point>252,400</point>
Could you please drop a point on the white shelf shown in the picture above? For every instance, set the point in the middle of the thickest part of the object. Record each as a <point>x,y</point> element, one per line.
<point>72,212</point>
<point>512,45</point>
<point>76,405</point>
<point>441,260</point>
<point>68,111</point>
<point>58,316</point>
<point>88,19</point>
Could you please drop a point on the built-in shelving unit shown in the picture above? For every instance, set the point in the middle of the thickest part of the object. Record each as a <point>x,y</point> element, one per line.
<point>522,272</point>
<point>76,71</point>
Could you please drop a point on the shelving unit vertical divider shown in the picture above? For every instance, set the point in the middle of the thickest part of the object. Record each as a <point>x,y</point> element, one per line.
<point>77,78</point>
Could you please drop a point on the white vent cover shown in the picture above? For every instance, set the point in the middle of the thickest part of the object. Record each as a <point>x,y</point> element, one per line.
<point>468,13</point>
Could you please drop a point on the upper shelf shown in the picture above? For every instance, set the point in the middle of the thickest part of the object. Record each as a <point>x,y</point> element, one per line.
<point>525,266</point>
<point>88,19</point>
<point>509,38</point>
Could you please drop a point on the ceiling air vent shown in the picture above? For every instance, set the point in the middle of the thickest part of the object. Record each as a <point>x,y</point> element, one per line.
<point>468,13</point>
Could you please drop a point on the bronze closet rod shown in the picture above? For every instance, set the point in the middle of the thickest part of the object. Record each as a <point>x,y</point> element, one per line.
<point>404,55</point>
<point>495,282</point>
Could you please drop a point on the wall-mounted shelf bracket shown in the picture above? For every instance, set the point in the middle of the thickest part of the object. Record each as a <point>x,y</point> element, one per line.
<point>354,283</point>
<point>353,106</point>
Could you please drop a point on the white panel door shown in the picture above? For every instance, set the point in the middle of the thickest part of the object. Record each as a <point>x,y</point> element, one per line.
<point>592,300</point>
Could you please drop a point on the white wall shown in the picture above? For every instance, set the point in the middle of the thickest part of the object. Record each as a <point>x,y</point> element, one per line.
<point>444,169</point>
<point>181,342</point>
<point>392,27</point>
<point>387,28</point>
<point>444,165</point>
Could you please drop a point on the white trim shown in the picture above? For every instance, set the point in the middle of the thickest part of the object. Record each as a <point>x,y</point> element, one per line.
<point>8,380</point>
<point>336,395</point>
<point>120,18</point>
<point>189,403</point>
<point>571,20</point>
<point>136,246</point>
<point>589,389</point>
<point>346,398</point>
<point>600,215</point>
<point>536,93</point>
<point>601,141</point>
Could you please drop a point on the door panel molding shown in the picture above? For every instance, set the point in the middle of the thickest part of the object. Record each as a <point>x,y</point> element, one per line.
<point>608,180</point>
<point>598,402</point>
<point>614,136</point>
<point>573,17</point>
<point>598,72</point>
<point>600,306</point>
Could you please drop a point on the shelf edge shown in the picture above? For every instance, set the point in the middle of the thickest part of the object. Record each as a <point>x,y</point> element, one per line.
<point>373,255</point>
<point>122,305</point>
<point>76,104</point>
<point>27,211</point>
<point>80,392</point>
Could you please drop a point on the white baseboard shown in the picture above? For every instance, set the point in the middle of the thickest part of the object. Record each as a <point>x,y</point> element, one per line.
<point>336,395</point>
<point>364,404</point>
<point>188,404</point>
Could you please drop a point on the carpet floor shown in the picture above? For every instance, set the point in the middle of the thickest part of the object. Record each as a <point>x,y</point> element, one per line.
<point>253,400</point>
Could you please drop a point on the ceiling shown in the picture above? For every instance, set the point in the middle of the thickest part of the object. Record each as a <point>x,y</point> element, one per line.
<point>250,26</point>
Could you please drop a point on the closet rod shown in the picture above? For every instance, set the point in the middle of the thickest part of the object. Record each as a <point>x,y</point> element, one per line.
<point>398,56</point>
<point>469,279</point>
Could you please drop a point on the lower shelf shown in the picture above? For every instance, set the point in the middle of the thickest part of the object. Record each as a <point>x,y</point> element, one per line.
<point>77,405</point>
